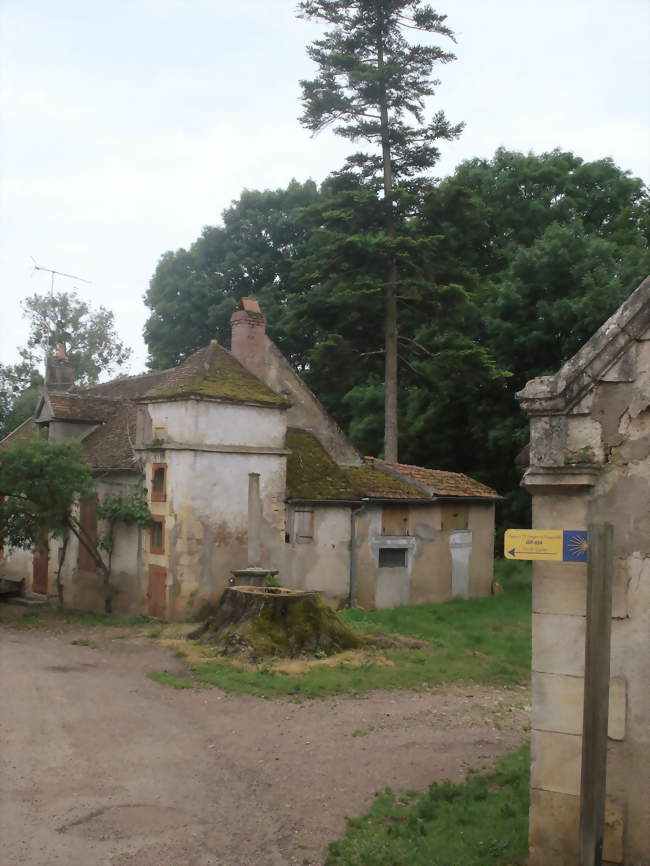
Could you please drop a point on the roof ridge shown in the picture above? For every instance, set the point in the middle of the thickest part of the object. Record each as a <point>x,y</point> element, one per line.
<point>130,378</point>
<point>433,480</point>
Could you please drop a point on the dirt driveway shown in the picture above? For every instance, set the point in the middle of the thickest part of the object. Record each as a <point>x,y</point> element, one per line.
<point>100,766</point>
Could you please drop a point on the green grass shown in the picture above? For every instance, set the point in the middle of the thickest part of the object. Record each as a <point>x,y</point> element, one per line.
<point>481,640</point>
<point>172,680</point>
<point>482,822</point>
<point>56,617</point>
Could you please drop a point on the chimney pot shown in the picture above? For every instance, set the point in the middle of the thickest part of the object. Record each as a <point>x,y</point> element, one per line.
<point>251,305</point>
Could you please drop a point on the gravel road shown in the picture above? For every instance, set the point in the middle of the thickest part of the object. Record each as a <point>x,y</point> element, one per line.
<point>100,766</point>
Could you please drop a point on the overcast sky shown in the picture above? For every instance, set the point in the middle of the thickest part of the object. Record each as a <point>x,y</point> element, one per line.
<point>128,126</point>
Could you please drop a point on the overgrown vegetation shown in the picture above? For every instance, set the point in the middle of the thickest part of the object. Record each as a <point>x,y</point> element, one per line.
<point>482,822</point>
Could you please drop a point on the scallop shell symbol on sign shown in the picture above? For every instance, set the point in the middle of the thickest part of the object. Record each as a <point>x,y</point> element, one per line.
<point>575,545</point>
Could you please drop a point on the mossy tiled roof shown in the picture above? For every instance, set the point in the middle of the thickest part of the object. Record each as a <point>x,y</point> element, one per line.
<point>214,373</point>
<point>371,483</point>
<point>311,472</point>
<point>313,475</point>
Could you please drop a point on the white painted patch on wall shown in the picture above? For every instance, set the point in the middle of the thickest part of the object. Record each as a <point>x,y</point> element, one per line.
<point>460,547</point>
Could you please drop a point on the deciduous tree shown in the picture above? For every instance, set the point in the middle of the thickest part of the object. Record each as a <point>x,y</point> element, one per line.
<point>91,341</point>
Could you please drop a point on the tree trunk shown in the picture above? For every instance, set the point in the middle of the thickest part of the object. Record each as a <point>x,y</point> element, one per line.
<point>390,293</point>
<point>257,622</point>
<point>390,371</point>
<point>59,581</point>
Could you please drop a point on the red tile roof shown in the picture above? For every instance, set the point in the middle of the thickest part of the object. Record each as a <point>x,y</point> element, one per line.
<point>26,430</point>
<point>435,481</point>
<point>110,446</point>
<point>81,407</point>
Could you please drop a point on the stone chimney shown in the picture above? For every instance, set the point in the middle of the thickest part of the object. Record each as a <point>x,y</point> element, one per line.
<point>248,336</point>
<point>59,371</point>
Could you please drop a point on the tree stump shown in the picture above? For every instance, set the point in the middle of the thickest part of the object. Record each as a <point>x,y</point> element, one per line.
<point>258,621</point>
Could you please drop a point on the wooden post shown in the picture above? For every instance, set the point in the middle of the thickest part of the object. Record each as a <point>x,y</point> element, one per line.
<point>596,695</point>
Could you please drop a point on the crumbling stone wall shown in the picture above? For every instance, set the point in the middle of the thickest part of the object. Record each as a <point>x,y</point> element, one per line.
<point>590,462</point>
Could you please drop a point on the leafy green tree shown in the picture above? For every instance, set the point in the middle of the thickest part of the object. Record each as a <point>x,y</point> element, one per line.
<point>372,84</point>
<point>551,245</point>
<point>91,341</point>
<point>20,388</point>
<point>40,484</point>
<point>89,335</point>
<point>194,292</point>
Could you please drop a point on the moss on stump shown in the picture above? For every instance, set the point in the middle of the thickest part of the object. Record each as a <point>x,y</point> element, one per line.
<point>264,621</point>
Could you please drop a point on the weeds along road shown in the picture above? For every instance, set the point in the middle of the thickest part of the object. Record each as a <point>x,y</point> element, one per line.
<point>100,766</point>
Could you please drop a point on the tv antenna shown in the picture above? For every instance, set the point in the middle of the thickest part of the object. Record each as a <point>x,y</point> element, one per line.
<point>57,274</point>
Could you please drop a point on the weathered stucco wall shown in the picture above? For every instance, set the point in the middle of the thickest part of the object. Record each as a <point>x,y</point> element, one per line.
<point>83,589</point>
<point>198,422</point>
<point>440,561</point>
<point>206,520</point>
<point>17,563</point>
<point>590,462</point>
<point>324,563</point>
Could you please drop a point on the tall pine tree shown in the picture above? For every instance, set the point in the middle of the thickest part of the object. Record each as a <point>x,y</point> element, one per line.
<point>372,85</point>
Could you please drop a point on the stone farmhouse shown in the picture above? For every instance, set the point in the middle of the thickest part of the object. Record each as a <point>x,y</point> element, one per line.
<point>246,474</point>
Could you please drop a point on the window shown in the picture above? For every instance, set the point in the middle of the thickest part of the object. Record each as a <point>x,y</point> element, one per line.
<point>395,520</point>
<point>392,557</point>
<point>455,515</point>
<point>157,535</point>
<point>303,525</point>
<point>159,482</point>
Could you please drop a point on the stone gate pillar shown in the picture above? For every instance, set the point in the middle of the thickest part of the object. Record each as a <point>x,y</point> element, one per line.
<point>590,462</point>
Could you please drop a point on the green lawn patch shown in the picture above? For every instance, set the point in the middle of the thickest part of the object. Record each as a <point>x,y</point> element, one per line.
<point>482,822</point>
<point>481,640</point>
<point>172,680</point>
<point>62,618</point>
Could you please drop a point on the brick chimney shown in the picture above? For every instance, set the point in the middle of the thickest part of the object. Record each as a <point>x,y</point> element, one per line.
<point>248,336</point>
<point>60,372</point>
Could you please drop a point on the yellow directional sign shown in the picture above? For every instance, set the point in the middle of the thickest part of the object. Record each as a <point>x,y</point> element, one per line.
<point>534,544</point>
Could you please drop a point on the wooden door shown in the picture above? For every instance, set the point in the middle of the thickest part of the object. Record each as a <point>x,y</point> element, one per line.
<point>39,568</point>
<point>157,591</point>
